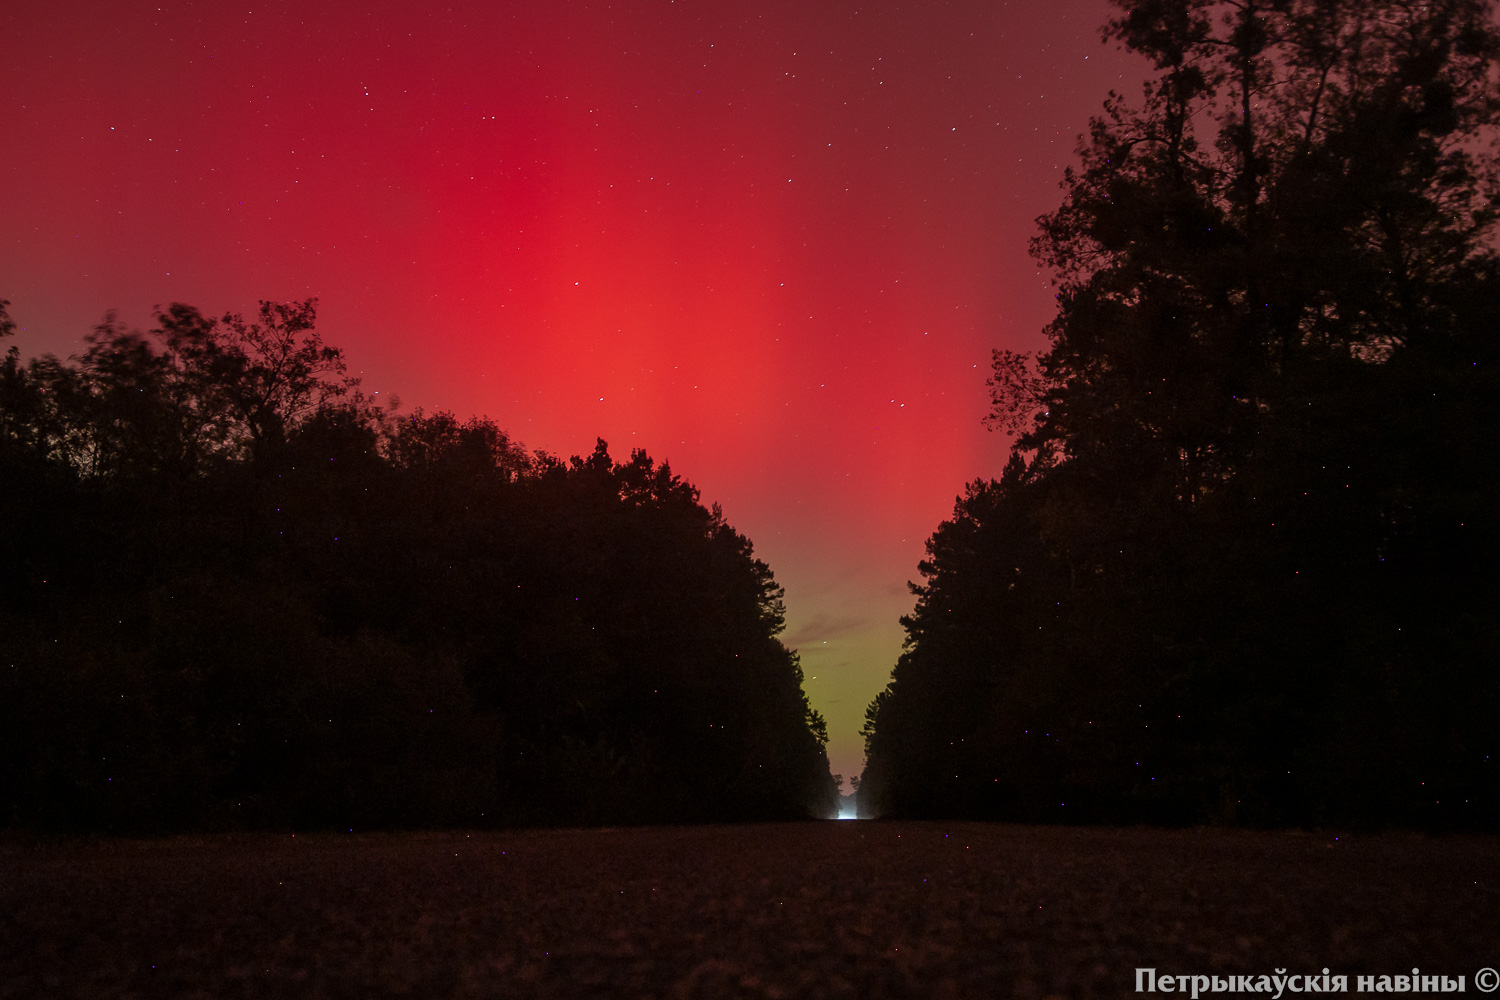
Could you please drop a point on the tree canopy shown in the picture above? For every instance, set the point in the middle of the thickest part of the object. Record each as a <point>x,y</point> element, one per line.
<point>1240,566</point>
<point>238,593</point>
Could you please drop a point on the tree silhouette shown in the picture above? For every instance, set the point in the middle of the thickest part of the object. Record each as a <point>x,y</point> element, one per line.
<point>1236,569</point>
<point>243,595</point>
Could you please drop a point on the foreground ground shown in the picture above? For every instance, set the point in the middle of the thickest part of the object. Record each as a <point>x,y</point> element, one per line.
<point>835,909</point>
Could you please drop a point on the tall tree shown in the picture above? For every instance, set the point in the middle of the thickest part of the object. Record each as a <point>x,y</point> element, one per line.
<point>1256,452</point>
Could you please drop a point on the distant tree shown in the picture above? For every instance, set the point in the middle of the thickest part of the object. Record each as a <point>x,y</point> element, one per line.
<point>23,433</point>
<point>474,447</point>
<point>266,375</point>
<point>193,391</point>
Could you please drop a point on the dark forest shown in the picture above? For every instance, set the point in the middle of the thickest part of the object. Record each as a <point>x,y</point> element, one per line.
<point>238,594</point>
<point>1241,566</point>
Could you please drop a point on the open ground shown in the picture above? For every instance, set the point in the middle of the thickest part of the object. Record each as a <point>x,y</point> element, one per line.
<point>835,909</point>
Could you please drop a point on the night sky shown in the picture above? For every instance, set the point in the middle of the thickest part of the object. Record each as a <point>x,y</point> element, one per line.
<point>771,243</point>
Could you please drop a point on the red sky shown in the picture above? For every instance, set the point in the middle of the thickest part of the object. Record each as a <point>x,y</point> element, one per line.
<point>770,242</point>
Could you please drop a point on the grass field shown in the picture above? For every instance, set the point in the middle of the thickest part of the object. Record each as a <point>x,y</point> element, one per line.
<point>835,909</point>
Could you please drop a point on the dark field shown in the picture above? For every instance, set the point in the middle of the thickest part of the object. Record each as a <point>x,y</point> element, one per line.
<point>851,909</point>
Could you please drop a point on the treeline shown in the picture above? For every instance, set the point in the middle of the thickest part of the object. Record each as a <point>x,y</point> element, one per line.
<point>235,593</point>
<point>1241,567</point>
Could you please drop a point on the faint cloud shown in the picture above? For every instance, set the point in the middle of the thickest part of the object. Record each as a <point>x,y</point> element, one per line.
<point>822,628</point>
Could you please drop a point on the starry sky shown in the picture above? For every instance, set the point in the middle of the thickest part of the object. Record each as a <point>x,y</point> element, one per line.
<point>770,242</point>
